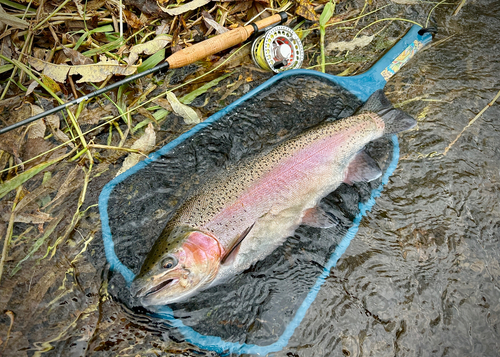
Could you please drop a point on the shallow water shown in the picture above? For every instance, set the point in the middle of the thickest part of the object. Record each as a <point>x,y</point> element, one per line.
<point>419,279</point>
<point>254,307</point>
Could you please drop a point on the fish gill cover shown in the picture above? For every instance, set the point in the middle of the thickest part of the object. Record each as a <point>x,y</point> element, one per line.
<point>253,309</point>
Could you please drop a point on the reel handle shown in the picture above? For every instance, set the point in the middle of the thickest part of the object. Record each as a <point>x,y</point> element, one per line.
<point>220,42</point>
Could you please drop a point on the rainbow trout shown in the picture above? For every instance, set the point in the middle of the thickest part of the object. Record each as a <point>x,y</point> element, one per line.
<point>243,213</point>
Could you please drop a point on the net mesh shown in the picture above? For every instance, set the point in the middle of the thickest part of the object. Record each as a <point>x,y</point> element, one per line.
<point>255,306</point>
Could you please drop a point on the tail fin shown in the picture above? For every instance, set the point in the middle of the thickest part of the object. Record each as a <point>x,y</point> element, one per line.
<point>395,120</point>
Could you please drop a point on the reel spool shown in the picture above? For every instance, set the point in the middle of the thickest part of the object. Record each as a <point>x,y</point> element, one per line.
<point>278,50</point>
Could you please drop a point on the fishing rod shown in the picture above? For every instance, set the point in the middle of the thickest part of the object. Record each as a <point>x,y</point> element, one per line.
<point>176,60</point>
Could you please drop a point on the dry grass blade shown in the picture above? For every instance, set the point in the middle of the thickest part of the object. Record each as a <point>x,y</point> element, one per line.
<point>10,314</point>
<point>472,122</point>
<point>459,7</point>
<point>8,236</point>
<point>18,180</point>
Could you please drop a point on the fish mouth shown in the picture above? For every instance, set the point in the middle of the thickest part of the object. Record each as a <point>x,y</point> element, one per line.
<point>159,287</point>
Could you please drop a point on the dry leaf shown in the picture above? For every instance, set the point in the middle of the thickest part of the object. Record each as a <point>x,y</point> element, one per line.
<point>162,102</point>
<point>95,115</point>
<point>31,88</point>
<point>210,22</point>
<point>35,218</point>
<point>37,129</point>
<point>29,201</point>
<point>80,8</point>
<point>11,142</point>
<point>67,186</point>
<point>145,144</point>
<point>6,49</point>
<point>35,144</point>
<point>241,7</point>
<point>132,19</point>
<point>56,72</point>
<point>11,102</point>
<point>361,41</point>
<point>148,48</point>
<point>50,83</point>
<point>192,5</point>
<point>146,113</point>
<point>163,28</point>
<point>187,113</point>
<point>12,21</point>
<point>96,72</point>
<point>76,57</point>
<point>306,10</point>
<point>53,122</point>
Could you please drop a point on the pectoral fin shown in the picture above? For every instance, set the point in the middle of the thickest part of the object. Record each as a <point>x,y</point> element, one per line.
<point>233,251</point>
<point>362,168</point>
<point>317,217</point>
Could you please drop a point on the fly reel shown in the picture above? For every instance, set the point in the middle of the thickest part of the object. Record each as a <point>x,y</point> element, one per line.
<point>278,50</point>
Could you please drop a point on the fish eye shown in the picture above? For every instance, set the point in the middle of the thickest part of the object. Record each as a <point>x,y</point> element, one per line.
<point>169,262</point>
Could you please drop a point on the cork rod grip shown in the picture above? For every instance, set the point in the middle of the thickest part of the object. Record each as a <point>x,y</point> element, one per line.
<point>217,43</point>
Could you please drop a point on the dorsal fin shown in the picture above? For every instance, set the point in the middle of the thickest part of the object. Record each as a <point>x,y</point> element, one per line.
<point>395,119</point>
<point>376,103</point>
<point>362,168</point>
<point>233,250</point>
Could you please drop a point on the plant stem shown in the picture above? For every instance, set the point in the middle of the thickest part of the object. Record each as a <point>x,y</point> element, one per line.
<point>51,15</point>
<point>10,227</point>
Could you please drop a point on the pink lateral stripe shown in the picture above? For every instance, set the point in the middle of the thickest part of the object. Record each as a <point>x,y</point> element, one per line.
<point>288,175</point>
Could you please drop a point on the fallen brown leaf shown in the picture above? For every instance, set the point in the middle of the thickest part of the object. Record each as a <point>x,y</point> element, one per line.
<point>306,10</point>
<point>186,112</point>
<point>95,115</point>
<point>53,123</point>
<point>148,48</point>
<point>35,218</point>
<point>192,5</point>
<point>210,22</point>
<point>96,72</point>
<point>12,21</point>
<point>144,144</point>
<point>76,57</point>
<point>132,20</point>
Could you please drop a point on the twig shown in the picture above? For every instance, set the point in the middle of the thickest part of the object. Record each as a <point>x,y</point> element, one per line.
<point>361,13</point>
<point>326,64</point>
<point>10,314</point>
<point>77,215</point>
<point>51,15</point>
<point>29,37</point>
<point>386,19</point>
<point>10,227</point>
<point>135,151</point>
<point>430,12</point>
<point>455,13</point>
<point>472,122</point>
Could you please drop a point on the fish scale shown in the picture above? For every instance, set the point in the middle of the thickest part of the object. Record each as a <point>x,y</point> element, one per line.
<point>222,193</point>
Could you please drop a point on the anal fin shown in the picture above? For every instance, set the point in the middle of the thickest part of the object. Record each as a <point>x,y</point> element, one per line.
<point>319,218</point>
<point>362,168</point>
